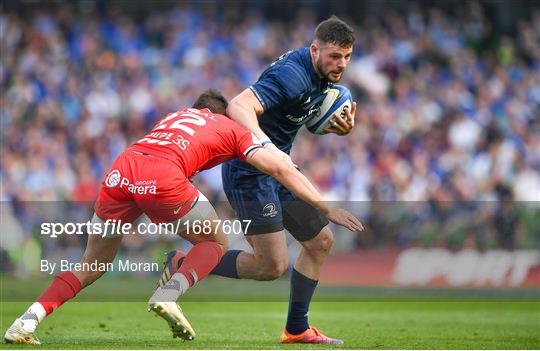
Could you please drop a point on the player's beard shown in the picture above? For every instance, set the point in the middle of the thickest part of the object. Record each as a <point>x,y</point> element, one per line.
<point>328,75</point>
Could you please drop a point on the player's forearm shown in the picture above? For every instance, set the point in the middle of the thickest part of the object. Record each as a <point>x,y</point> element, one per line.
<point>302,188</point>
<point>289,176</point>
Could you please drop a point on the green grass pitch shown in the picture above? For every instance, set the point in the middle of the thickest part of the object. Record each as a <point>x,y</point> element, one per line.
<point>257,325</point>
<point>245,314</point>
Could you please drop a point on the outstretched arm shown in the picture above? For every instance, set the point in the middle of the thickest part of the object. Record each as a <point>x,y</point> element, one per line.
<point>300,186</point>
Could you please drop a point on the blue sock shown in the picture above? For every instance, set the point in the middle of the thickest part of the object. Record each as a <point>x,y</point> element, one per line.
<point>227,266</point>
<point>302,289</point>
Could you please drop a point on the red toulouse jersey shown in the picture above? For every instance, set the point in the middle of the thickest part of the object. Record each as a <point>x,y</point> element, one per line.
<point>197,140</point>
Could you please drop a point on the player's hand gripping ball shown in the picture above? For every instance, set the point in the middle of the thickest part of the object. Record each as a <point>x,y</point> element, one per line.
<point>338,98</point>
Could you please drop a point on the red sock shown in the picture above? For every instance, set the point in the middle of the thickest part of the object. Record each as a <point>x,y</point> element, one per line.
<point>63,288</point>
<point>200,261</point>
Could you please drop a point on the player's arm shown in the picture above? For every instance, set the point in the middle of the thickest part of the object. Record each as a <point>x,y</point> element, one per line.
<point>300,186</point>
<point>244,109</point>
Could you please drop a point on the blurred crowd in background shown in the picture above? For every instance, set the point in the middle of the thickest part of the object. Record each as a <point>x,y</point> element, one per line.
<point>447,126</point>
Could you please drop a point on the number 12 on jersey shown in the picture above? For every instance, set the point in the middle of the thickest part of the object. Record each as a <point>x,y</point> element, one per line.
<point>165,132</point>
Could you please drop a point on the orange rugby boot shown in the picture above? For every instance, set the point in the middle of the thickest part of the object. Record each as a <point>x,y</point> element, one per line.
<point>310,336</point>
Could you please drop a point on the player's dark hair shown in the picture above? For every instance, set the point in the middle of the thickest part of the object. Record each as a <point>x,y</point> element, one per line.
<point>212,100</point>
<point>335,31</point>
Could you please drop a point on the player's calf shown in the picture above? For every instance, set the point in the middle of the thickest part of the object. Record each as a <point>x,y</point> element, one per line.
<point>268,261</point>
<point>181,273</point>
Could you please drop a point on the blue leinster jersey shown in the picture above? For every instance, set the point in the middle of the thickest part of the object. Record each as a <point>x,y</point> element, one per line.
<point>290,93</point>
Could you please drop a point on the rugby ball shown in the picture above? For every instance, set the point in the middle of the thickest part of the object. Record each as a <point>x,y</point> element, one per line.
<point>337,98</point>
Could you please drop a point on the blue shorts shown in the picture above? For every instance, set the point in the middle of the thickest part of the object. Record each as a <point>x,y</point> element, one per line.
<point>269,206</point>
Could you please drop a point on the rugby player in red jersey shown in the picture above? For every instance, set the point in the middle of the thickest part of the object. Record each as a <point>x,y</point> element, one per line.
<point>152,177</point>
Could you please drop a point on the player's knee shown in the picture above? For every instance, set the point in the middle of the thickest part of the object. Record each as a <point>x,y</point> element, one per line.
<point>273,269</point>
<point>321,244</point>
<point>327,240</point>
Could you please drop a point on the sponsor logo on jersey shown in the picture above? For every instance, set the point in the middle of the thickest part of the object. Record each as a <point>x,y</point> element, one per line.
<point>269,210</point>
<point>113,178</point>
<point>141,187</point>
<point>308,109</point>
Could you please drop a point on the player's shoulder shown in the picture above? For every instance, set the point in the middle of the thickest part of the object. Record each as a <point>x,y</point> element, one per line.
<point>290,69</point>
<point>292,62</point>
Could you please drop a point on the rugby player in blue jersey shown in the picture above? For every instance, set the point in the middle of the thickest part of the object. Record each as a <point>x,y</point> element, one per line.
<point>288,93</point>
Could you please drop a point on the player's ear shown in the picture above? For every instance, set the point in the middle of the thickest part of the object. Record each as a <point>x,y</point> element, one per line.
<point>314,50</point>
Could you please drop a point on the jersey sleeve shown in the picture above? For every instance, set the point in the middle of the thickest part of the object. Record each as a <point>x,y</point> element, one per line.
<point>280,85</point>
<point>246,142</point>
